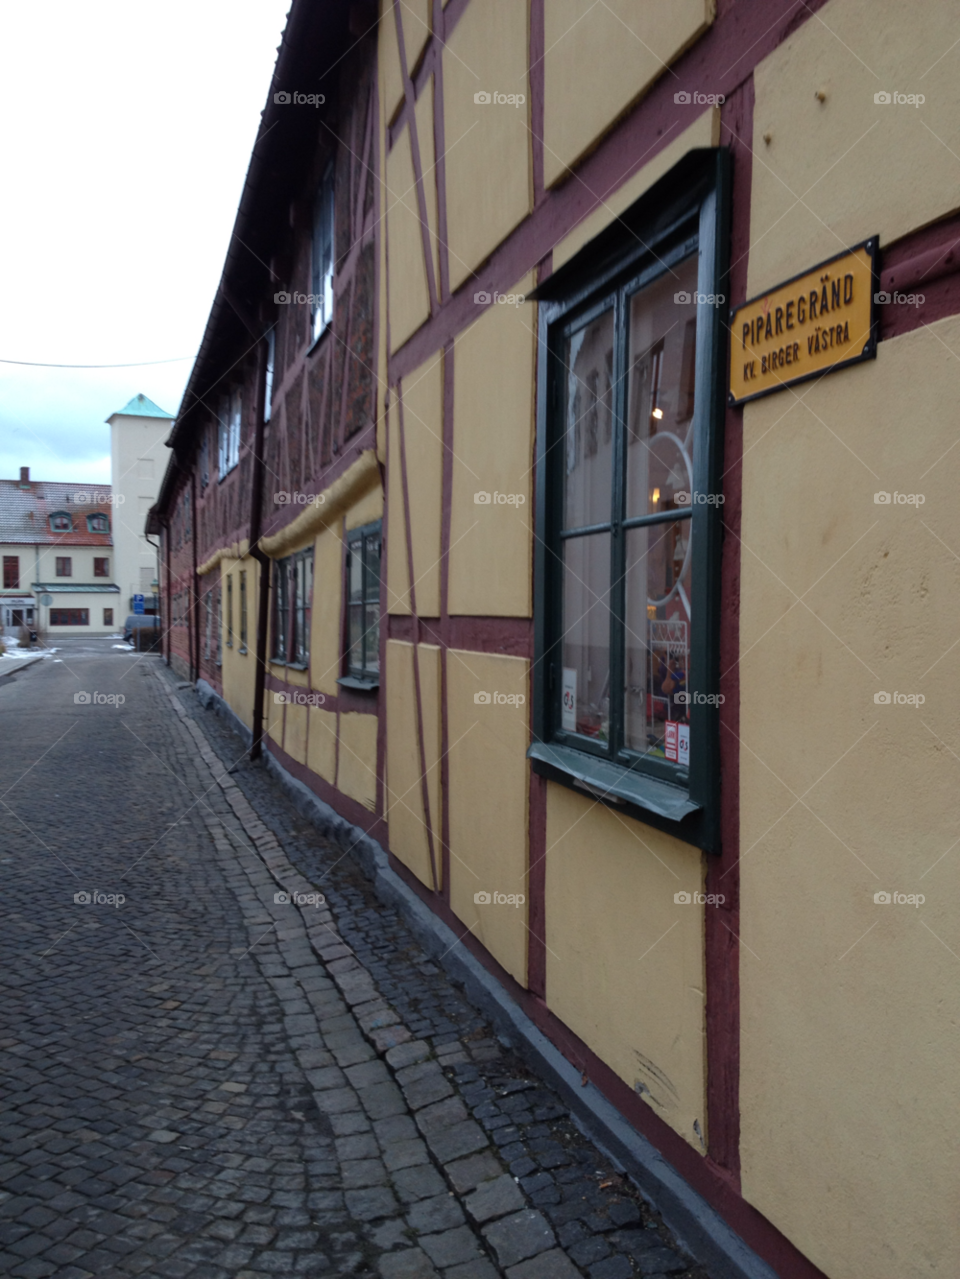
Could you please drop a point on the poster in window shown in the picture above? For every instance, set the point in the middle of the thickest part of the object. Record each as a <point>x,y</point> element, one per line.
<point>569,699</point>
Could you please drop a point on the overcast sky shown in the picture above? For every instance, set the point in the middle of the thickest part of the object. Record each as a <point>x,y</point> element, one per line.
<point>127,127</point>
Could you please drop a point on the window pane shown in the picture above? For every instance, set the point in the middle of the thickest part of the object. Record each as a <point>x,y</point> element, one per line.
<point>372,554</point>
<point>355,637</point>
<point>657,643</point>
<point>372,642</point>
<point>588,427</point>
<point>585,682</point>
<point>356,570</point>
<point>660,385</point>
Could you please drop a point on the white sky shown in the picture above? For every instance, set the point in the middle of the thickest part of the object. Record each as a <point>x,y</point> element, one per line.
<point>127,127</point>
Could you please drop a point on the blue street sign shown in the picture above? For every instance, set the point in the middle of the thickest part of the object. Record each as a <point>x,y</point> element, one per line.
<point>138,603</point>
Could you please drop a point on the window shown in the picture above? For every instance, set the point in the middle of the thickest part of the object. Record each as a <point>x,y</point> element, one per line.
<point>69,617</point>
<point>363,607</point>
<point>101,567</point>
<point>321,282</point>
<point>292,599</point>
<point>268,376</point>
<point>229,610</point>
<point>98,523</point>
<point>11,572</point>
<point>208,610</point>
<point>626,705</point>
<point>61,522</point>
<point>243,610</point>
<point>204,456</point>
<point>231,412</point>
<point>64,566</point>
<point>108,617</point>
<point>219,591</point>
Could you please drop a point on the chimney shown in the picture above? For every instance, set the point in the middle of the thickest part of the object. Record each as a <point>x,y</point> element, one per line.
<point>24,476</point>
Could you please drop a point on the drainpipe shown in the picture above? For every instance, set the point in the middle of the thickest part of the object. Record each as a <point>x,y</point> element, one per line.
<point>263,584</point>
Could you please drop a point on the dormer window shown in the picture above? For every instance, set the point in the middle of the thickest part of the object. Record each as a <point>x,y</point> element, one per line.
<point>61,522</point>
<point>98,523</point>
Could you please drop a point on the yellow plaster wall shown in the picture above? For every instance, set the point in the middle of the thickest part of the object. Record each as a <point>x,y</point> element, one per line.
<point>425,141</point>
<point>618,48</point>
<point>388,60</point>
<point>704,132</point>
<point>325,635</point>
<point>838,171</point>
<point>423,429</point>
<point>489,181</point>
<point>357,771</point>
<point>489,785</point>
<point>238,670</point>
<point>624,959</point>
<point>408,292</point>
<point>368,509</point>
<point>850,1009</point>
<point>491,559</point>
<point>403,795</point>
<point>322,743</point>
<point>295,731</point>
<point>272,718</point>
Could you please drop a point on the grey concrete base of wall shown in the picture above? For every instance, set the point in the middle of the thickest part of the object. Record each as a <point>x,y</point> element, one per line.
<point>700,1229</point>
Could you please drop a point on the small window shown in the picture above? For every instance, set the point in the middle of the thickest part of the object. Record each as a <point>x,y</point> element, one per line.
<point>268,376</point>
<point>219,608</point>
<point>69,617</point>
<point>98,522</point>
<point>61,522</point>
<point>231,413</point>
<point>321,284</point>
<point>108,617</point>
<point>101,567</point>
<point>208,611</point>
<point>64,566</point>
<point>292,600</point>
<point>229,610</point>
<point>243,610</point>
<point>363,606</point>
<point>11,572</point>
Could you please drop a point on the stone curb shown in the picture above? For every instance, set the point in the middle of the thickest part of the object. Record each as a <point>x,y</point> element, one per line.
<point>697,1226</point>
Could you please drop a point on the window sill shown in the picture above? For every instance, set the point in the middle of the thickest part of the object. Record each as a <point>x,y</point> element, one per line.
<point>618,785</point>
<point>361,685</point>
<point>242,649</point>
<point>291,666</point>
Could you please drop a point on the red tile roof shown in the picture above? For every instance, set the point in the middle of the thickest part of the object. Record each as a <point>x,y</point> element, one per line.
<point>25,512</point>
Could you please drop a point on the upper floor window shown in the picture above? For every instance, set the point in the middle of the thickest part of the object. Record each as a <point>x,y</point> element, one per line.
<point>229,610</point>
<point>204,456</point>
<point>231,410</point>
<point>268,374</point>
<point>61,522</point>
<point>101,567</point>
<point>64,566</point>
<point>321,281</point>
<point>11,572</point>
<point>243,610</point>
<point>626,675</point>
<point>98,522</point>
<point>363,606</point>
<point>292,602</point>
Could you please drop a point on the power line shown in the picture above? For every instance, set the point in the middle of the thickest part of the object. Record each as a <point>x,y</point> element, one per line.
<point>34,364</point>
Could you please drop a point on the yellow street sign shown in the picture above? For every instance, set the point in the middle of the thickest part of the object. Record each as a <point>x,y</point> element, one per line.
<point>813,324</point>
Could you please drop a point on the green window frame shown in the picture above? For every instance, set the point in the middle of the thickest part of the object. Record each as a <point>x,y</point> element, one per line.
<point>363,607</point>
<point>292,603</point>
<point>597,545</point>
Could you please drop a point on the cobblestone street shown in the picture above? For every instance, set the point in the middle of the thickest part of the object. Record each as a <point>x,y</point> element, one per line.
<point>202,1077</point>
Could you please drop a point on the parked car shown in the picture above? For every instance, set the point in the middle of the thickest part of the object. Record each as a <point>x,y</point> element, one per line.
<point>142,630</point>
